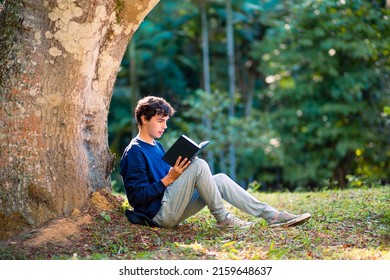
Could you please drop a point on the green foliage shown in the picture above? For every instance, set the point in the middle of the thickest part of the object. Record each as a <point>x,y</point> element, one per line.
<point>119,129</point>
<point>105,216</point>
<point>312,93</point>
<point>164,51</point>
<point>327,67</point>
<point>257,149</point>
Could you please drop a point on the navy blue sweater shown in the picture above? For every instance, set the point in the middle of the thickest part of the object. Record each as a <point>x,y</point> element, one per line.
<point>142,170</point>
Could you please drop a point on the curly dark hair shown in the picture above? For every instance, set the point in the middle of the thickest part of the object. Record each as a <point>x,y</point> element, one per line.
<point>150,106</point>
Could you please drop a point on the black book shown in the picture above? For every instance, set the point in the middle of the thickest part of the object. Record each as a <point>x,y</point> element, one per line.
<point>184,147</point>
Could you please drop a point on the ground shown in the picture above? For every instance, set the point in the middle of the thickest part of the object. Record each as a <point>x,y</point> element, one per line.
<point>347,224</point>
<point>67,232</point>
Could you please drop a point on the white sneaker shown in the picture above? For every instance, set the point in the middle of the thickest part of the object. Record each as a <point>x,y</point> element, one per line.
<point>285,219</point>
<point>231,221</point>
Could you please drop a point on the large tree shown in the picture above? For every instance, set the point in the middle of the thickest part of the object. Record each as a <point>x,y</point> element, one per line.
<point>58,66</point>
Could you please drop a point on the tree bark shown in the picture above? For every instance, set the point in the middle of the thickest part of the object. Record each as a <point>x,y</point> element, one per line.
<point>58,66</point>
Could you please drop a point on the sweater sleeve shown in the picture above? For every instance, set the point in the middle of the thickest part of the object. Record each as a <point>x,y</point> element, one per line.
<point>141,188</point>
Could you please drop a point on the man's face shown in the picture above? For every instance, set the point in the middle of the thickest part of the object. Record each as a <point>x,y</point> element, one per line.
<point>156,126</point>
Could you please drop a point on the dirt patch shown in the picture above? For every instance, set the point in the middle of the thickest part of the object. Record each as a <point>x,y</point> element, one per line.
<point>61,230</point>
<point>102,202</point>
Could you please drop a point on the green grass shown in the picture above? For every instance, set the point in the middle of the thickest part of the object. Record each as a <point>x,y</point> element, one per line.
<point>346,224</point>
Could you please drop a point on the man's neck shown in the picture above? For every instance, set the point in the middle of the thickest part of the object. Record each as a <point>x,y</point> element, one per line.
<point>145,138</point>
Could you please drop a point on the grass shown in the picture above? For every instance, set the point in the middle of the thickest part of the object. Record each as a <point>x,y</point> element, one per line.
<point>346,224</point>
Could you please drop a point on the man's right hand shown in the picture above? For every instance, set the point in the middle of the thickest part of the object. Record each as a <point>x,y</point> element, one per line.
<point>176,171</point>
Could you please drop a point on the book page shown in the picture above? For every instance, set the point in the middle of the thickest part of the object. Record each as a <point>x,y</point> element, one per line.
<point>192,141</point>
<point>204,143</point>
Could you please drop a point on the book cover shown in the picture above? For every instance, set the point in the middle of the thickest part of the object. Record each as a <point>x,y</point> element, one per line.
<point>184,147</point>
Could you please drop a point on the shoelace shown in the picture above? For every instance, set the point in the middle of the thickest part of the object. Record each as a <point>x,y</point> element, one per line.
<point>237,220</point>
<point>285,216</point>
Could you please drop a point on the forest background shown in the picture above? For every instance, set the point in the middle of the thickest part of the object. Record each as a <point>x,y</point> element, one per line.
<point>292,94</point>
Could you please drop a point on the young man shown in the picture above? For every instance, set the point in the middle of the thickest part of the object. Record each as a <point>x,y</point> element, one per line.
<point>168,195</point>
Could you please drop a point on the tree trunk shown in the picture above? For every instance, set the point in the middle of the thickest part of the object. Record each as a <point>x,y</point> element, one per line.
<point>206,74</point>
<point>58,65</point>
<point>232,82</point>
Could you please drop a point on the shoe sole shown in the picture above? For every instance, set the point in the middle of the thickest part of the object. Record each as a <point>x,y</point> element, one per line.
<point>294,222</point>
<point>249,225</point>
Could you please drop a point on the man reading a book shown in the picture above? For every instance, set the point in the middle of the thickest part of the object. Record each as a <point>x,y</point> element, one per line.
<point>168,195</point>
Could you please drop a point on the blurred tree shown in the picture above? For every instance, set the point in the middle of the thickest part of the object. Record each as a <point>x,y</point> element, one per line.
<point>232,83</point>
<point>256,149</point>
<point>327,66</point>
<point>206,74</point>
<point>171,56</point>
<point>163,59</point>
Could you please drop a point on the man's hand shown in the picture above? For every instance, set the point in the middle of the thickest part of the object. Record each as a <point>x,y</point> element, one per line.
<point>176,171</point>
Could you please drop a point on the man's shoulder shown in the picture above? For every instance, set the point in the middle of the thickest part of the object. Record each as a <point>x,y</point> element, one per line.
<point>133,147</point>
<point>137,147</point>
<point>134,143</point>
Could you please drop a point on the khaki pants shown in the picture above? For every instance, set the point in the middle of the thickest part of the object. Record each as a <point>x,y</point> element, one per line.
<point>197,188</point>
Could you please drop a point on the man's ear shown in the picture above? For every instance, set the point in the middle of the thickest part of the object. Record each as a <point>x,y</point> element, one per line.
<point>144,120</point>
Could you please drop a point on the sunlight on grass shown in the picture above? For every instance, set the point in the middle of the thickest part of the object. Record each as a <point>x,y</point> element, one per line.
<point>351,224</point>
<point>193,246</point>
<point>342,253</point>
<point>346,224</point>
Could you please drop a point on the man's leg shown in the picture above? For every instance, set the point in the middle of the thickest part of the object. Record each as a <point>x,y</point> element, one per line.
<point>240,198</point>
<point>193,190</point>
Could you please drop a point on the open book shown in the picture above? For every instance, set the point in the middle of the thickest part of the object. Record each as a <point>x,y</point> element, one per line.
<point>184,147</point>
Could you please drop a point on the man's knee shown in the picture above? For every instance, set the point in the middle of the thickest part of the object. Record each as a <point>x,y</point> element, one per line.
<point>199,163</point>
<point>220,178</point>
<point>170,221</point>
